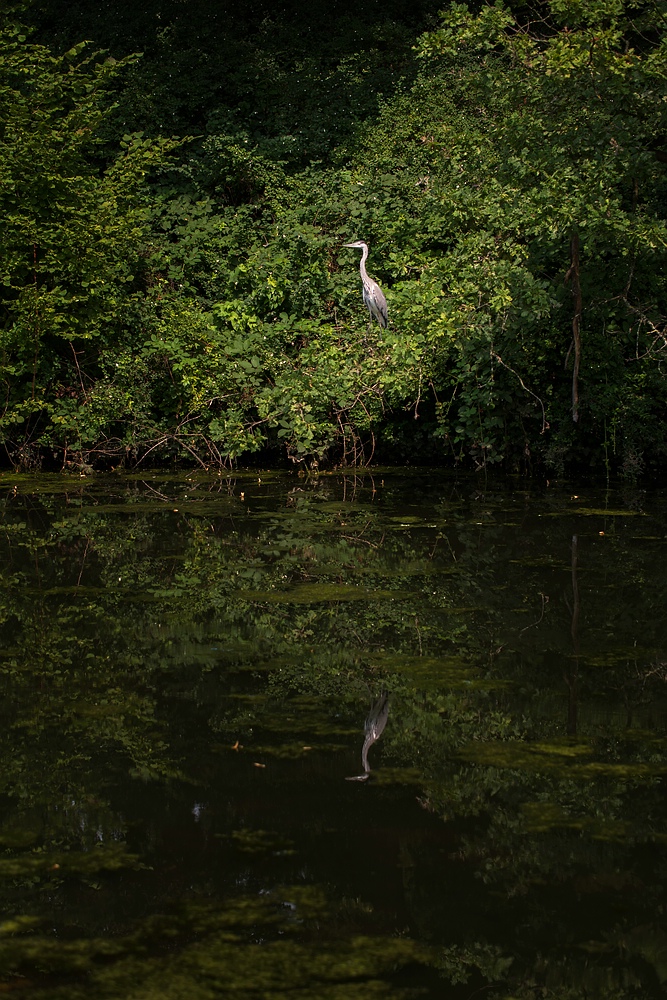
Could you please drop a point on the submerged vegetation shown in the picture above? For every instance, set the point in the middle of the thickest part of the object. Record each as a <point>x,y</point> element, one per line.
<point>178,181</point>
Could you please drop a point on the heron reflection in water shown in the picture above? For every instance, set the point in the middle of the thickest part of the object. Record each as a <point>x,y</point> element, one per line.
<point>376,720</point>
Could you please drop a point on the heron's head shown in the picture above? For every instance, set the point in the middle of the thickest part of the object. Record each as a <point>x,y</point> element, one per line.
<point>357,245</point>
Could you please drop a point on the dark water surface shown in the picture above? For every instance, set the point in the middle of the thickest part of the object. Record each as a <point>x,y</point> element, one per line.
<point>190,668</point>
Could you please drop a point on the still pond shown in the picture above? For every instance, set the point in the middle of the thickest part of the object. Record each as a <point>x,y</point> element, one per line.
<point>332,738</point>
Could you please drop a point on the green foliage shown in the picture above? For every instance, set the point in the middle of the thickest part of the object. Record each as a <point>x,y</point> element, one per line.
<point>516,141</point>
<point>508,173</point>
<point>74,229</point>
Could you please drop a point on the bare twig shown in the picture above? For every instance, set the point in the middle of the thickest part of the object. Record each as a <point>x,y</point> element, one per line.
<point>163,440</point>
<point>545,425</point>
<point>76,362</point>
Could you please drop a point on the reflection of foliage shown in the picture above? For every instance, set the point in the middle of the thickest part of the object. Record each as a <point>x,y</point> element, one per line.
<point>251,947</point>
<point>173,638</point>
<point>260,842</point>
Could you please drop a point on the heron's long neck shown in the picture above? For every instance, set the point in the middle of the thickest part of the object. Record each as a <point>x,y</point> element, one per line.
<point>362,264</point>
<point>368,742</point>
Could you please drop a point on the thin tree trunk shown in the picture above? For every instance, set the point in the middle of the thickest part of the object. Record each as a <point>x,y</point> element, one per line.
<point>573,274</point>
<point>36,325</point>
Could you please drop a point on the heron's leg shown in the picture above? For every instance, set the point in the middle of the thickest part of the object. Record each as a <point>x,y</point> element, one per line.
<point>368,341</point>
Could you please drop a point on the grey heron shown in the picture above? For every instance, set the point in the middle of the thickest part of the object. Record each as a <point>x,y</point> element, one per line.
<point>374,299</point>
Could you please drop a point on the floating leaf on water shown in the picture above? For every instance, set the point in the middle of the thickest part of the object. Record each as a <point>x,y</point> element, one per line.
<point>562,749</point>
<point>322,592</point>
<point>295,750</point>
<point>594,512</point>
<point>396,776</point>
<point>554,757</point>
<point>430,672</point>
<point>523,755</point>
